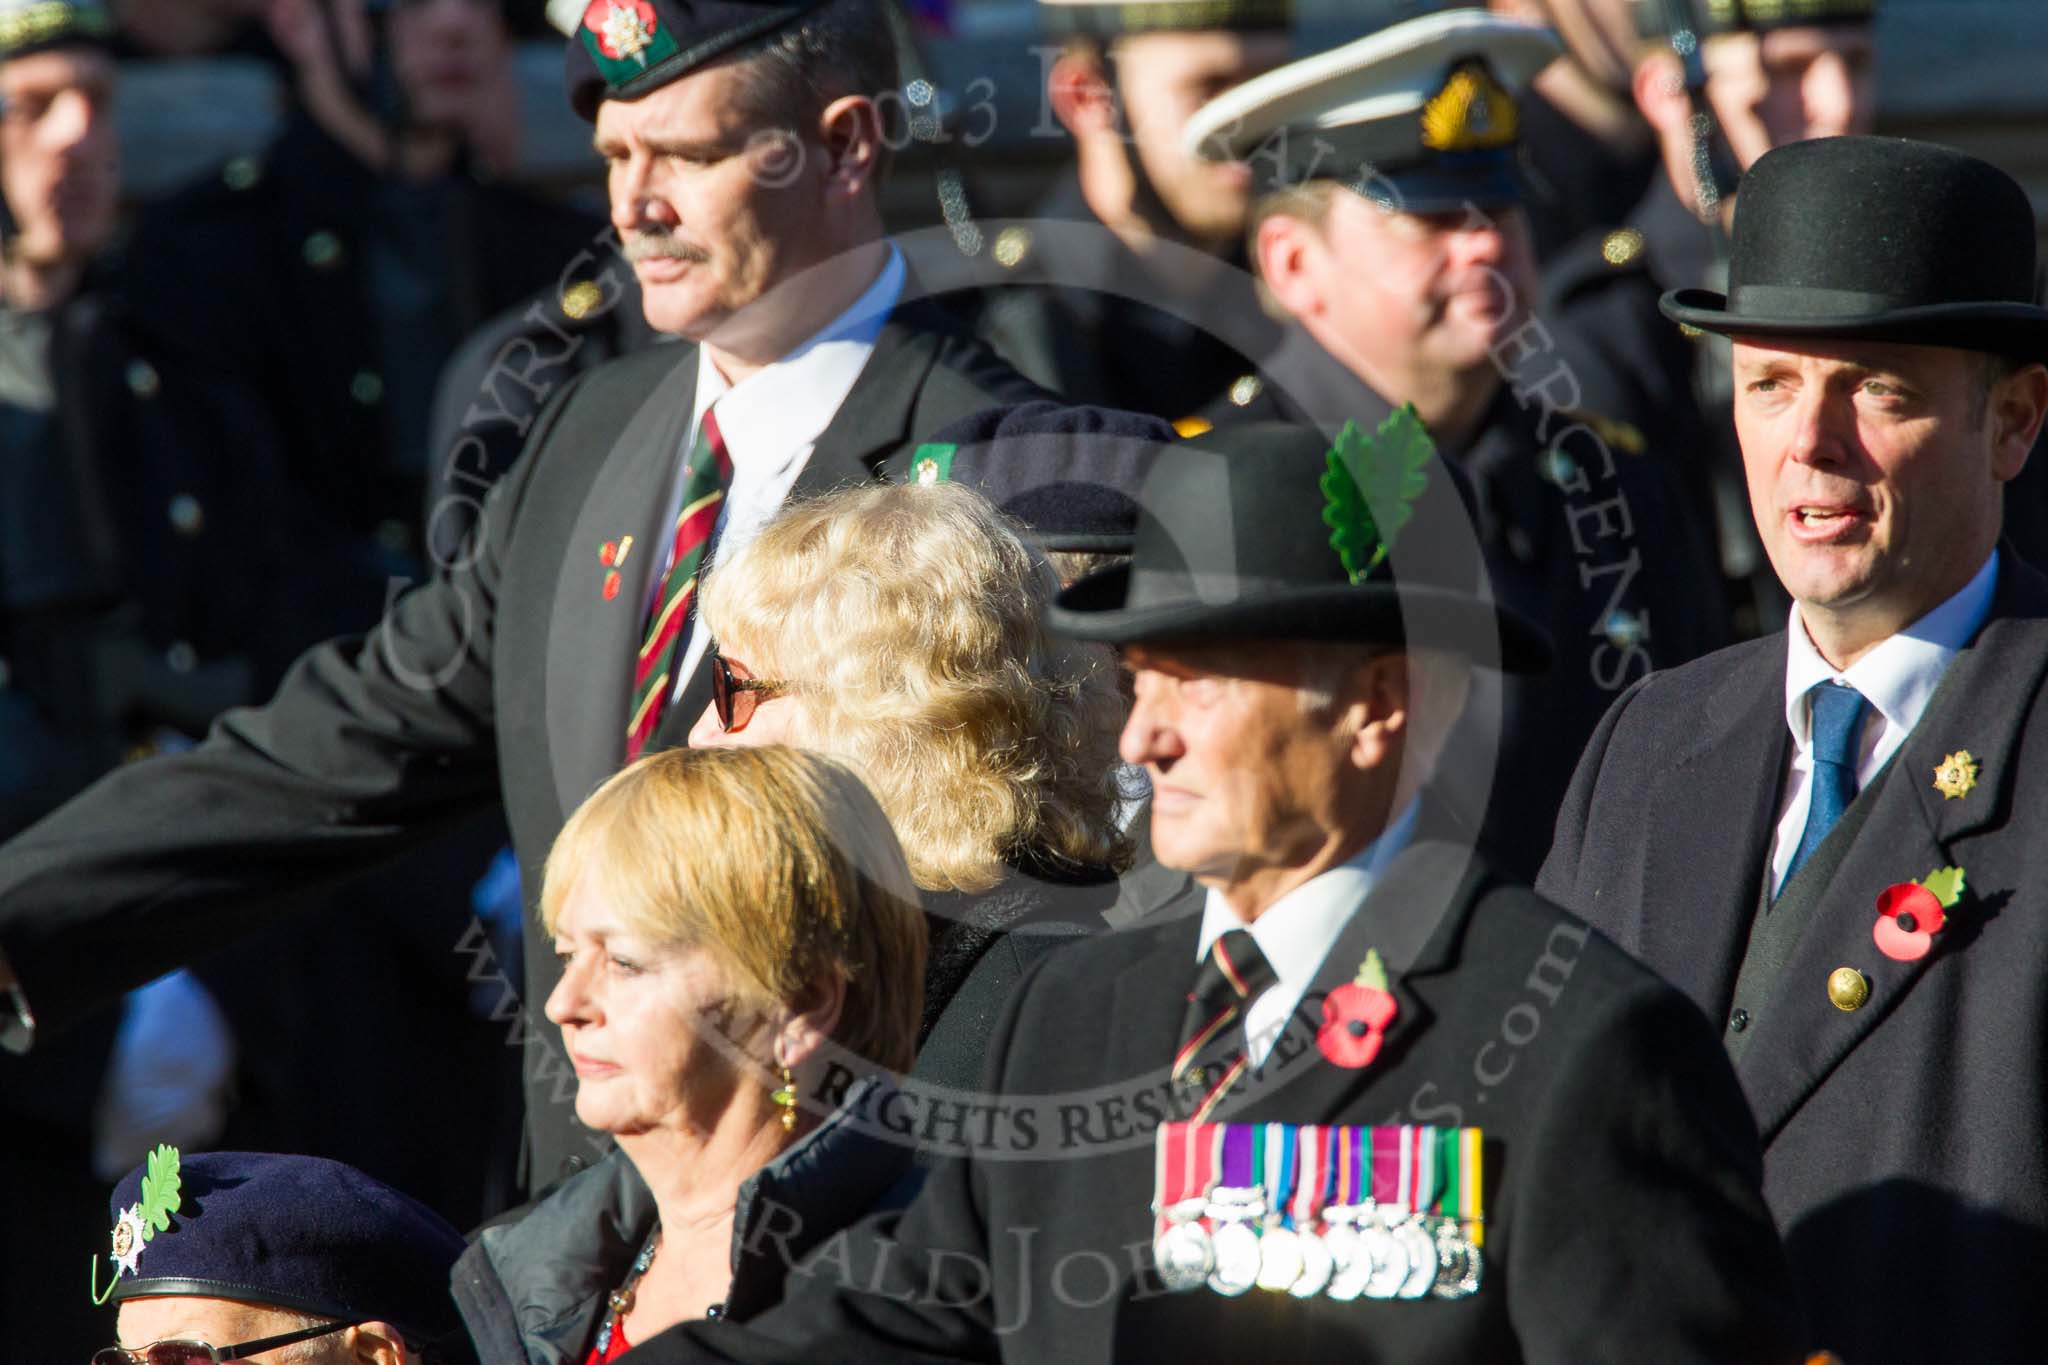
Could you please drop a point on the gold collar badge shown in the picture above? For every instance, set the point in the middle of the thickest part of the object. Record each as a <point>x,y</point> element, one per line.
<point>1955,775</point>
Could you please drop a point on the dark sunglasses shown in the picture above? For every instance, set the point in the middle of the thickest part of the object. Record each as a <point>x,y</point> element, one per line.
<point>736,694</point>
<point>199,1353</point>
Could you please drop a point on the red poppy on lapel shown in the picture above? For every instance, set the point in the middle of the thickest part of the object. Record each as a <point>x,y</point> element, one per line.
<point>612,554</point>
<point>1356,1015</point>
<point>1910,914</point>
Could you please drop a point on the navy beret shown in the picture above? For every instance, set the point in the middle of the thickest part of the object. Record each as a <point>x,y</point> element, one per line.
<point>1069,474</point>
<point>622,49</point>
<point>296,1232</point>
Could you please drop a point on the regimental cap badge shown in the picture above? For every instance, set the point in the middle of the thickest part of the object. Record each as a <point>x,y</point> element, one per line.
<point>1370,485</point>
<point>932,464</point>
<point>1472,113</point>
<point>624,37</point>
<point>1955,775</point>
<point>143,1220</point>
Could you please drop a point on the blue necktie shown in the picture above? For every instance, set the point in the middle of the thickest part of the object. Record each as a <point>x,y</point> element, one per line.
<point>1837,715</point>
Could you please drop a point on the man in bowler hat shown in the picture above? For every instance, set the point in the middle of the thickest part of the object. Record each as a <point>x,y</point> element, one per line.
<point>1832,838</point>
<point>1353,977</point>
<point>744,152</point>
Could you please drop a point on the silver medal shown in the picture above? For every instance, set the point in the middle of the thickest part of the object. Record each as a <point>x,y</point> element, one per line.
<point>1460,1263</point>
<point>1350,1263</point>
<point>1317,1263</point>
<point>1236,1247</point>
<point>1184,1256</point>
<point>1420,1250</point>
<point>1389,1261</point>
<point>1280,1259</point>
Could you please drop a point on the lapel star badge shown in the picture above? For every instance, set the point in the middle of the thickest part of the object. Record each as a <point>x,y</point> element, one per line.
<point>1955,775</point>
<point>142,1221</point>
<point>1910,914</point>
<point>1356,1015</point>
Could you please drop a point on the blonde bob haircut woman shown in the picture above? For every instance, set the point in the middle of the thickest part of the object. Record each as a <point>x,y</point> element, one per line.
<point>905,619</point>
<point>779,863</point>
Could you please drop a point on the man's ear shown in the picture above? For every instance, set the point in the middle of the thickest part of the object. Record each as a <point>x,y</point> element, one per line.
<point>2018,404</point>
<point>1078,89</point>
<point>377,1343</point>
<point>1285,250</point>
<point>1380,695</point>
<point>850,130</point>
<point>1659,90</point>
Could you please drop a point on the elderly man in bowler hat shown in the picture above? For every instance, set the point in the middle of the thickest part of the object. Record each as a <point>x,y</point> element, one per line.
<point>227,1255</point>
<point>1362,1070</point>
<point>744,153</point>
<point>1832,838</point>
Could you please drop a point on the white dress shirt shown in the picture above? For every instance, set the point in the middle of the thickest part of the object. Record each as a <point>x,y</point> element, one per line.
<point>1297,931</point>
<point>771,421</point>
<point>1897,679</point>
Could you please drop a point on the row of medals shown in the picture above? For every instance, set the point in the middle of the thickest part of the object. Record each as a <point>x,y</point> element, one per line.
<point>1361,1251</point>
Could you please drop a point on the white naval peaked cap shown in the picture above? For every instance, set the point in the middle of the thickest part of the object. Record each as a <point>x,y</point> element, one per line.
<point>1383,78</point>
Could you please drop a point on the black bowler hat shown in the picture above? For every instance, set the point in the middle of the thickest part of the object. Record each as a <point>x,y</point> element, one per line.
<point>296,1232</point>
<point>1265,530</point>
<point>622,49</point>
<point>1878,238</point>
<point>1070,475</point>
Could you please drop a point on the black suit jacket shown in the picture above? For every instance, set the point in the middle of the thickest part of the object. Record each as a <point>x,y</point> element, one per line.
<point>508,671</point>
<point>1917,1125</point>
<point>1623,1216</point>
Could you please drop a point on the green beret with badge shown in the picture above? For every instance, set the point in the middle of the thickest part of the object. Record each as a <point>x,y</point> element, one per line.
<point>623,49</point>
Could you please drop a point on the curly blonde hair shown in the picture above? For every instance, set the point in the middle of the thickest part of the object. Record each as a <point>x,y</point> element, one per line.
<point>906,619</point>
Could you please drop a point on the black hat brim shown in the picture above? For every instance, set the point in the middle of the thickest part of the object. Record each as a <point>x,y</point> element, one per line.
<point>1094,609</point>
<point>2010,329</point>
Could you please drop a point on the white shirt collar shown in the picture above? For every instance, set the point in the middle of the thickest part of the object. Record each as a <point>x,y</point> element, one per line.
<point>779,411</point>
<point>1297,931</point>
<point>1899,676</point>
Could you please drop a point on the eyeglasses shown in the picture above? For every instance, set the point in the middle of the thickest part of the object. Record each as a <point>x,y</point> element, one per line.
<point>737,694</point>
<point>199,1353</point>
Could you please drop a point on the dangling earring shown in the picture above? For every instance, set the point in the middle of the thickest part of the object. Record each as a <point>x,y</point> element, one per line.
<point>785,1099</point>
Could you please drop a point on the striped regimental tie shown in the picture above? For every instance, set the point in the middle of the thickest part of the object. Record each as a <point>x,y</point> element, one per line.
<point>704,485</point>
<point>1212,1051</point>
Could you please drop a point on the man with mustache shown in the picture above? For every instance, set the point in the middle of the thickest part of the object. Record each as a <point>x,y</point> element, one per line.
<point>1397,240</point>
<point>1831,839</point>
<point>744,154</point>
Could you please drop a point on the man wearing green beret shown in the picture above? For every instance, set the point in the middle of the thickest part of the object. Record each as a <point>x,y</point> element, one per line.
<point>744,152</point>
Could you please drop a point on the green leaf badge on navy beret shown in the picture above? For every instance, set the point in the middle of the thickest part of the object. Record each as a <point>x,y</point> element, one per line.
<point>1370,488</point>
<point>143,1220</point>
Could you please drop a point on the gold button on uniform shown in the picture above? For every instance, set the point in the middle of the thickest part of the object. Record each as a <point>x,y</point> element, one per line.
<point>581,299</point>
<point>1621,246</point>
<point>1848,988</point>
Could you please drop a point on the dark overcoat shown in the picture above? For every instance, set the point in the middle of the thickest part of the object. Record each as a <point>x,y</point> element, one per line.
<point>1912,1130</point>
<point>507,672</point>
<point>1623,1216</point>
